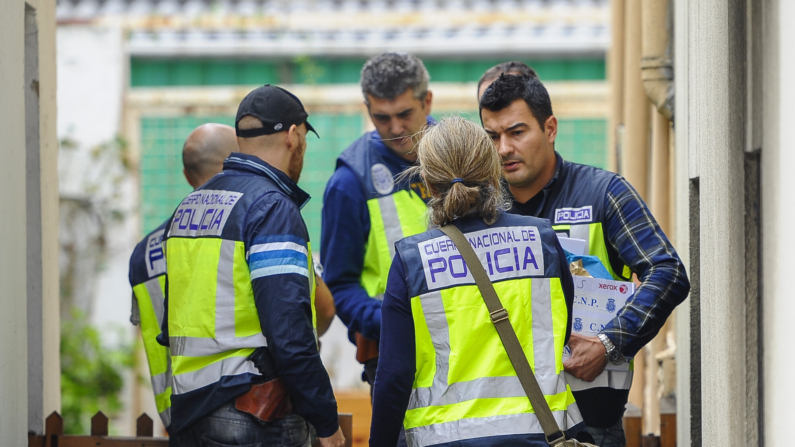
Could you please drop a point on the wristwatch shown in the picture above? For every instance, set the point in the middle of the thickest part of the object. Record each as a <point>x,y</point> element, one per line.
<point>611,352</point>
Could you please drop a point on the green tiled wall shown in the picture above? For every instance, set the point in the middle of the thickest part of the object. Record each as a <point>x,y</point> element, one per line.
<point>583,141</point>
<point>196,72</point>
<point>163,185</point>
<point>579,140</point>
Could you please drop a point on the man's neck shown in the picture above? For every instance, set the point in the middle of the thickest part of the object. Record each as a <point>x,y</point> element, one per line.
<point>410,157</point>
<point>275,158</point>
<point>524,193</point>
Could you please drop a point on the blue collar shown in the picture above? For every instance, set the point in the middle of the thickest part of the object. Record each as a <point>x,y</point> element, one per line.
<point>254,165</point>
<point>559,162</point>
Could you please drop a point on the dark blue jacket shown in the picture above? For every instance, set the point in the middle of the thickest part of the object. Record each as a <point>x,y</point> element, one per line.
<point>632,238</point>
<point>268,210</point>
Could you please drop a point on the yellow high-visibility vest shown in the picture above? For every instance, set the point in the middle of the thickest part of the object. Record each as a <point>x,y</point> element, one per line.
<point>465,386</point>
<point>150,296</point>
<point>392,217</point>
<point>213,322</point>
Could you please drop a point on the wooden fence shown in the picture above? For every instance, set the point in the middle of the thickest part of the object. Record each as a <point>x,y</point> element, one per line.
<point>54,437</point>
<point>634,431</point>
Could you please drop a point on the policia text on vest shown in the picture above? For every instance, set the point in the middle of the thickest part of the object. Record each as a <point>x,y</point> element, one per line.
<point>464,386</point>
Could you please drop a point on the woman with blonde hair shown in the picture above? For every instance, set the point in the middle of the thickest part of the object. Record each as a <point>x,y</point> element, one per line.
<point>444,374</point>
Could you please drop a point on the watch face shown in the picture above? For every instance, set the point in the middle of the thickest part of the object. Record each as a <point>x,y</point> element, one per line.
<point>614,356</point>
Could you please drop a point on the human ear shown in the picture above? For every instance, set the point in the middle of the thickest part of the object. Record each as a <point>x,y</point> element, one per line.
<point>293,139</point>
<point>551,127</point>
<point>428,101</point>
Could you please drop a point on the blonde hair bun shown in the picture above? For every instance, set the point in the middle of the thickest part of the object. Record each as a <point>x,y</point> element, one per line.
<point>459,164</point>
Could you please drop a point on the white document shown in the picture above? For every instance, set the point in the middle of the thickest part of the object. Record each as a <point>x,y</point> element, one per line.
<point>596,302</point>
<point>574,246</point>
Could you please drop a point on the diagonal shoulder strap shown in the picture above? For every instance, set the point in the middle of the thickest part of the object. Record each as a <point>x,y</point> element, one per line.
<point>499,317</point>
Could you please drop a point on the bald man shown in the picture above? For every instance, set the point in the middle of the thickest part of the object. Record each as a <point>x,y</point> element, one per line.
<point>204,152</point>
<point>203,156</point>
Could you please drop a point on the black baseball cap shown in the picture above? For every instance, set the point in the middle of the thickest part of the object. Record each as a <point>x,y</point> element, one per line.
<point>277,108</point>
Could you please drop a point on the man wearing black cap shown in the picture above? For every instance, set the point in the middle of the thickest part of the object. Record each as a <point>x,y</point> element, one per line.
<point>240,315</point>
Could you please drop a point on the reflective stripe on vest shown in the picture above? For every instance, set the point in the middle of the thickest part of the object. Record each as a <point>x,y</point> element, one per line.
<point>212,318</point>
<point>392,218</point>
<point>150,296</point>
<point>465,386</point>
<point>619,378</point>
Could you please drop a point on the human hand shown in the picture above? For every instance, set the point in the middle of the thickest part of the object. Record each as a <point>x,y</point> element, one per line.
<point>587,357</point>
<point>335,440</point>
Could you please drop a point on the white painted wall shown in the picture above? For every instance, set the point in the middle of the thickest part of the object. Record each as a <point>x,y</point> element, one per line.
<point>13,327</point>
<point>778,215</point>
<point>92,74</point>
<point>14,370</point>
<point>682,219</point>
<point>715,129</point>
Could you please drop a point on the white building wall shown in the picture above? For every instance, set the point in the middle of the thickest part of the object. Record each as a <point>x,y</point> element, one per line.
<point>715,113</point>
<point>91,76</point>
<point>15,211</point>
<point>682,219</point>
<point>92,65</point>
<point>778,215</point>
<point>13,327</point>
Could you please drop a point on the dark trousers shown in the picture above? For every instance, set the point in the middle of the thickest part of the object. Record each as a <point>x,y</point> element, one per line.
<point>609,437</point>
<point>370,367</point>
<point>226,426</point>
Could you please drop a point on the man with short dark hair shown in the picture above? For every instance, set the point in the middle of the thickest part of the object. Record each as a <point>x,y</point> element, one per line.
<point>240,315</point>
<point>365,211</point>
<point>510,67</point>
<point>202,156</point>
<point>600,207</point>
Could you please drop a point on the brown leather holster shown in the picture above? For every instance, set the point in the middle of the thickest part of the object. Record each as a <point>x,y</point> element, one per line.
<point>366,349</point>
<point>266,401</point>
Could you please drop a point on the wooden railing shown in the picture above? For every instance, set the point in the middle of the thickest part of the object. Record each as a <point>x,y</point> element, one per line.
<point>54,437</point>
<point>634,430</point>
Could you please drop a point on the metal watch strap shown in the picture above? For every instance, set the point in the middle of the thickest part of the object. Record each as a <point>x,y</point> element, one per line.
<point>610,348</point>
<point>499,317</point>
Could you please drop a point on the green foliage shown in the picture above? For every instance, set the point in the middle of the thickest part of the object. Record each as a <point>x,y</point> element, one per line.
<point>91,374</point>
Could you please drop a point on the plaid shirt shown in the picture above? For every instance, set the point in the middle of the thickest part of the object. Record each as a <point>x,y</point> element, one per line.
<point>633,234</point>
<point>640,243</point>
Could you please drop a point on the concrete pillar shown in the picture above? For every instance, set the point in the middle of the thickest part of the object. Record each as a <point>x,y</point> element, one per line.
<point>635,146</point>
<point>778,237</point>
<point>44,360</point>
<point>615,74</point>
<point>13,271</point>
<point>28,220</point>
<point>682,218</point>
<point>635,150</point>
<point>716,110</point>
<point>659,204</point>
